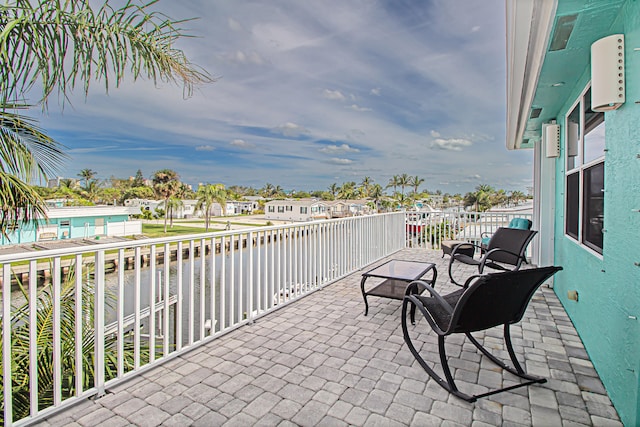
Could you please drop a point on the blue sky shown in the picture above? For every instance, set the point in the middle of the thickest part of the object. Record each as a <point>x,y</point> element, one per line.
<point>311,93</point>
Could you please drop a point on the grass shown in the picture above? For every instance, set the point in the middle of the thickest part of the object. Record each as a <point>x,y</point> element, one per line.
<point>157,230</point>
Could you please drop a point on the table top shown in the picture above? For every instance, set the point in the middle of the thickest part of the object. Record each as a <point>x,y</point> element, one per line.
<point>401,270</point>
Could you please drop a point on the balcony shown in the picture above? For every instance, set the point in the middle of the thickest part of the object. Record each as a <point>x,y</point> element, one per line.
<point>284,339</point>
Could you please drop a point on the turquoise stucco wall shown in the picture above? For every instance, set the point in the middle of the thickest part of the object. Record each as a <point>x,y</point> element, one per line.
<point>609,285</point>
<point>76,229</point>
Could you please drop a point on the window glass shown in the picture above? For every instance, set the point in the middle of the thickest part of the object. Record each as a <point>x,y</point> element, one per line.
<point>584,192</point>
<point>593,211</point>
<point>594,137</point>
<point>572,204</point>
<point>573,137</point>
<point>303,209</point>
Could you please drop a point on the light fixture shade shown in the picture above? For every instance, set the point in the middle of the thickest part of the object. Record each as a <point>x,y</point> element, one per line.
<point>607,73</point>
<point>551,137</point>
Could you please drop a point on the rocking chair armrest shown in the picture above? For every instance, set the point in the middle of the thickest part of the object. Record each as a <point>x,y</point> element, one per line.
<point>487,257</point>
<point>471,279</point>
<point>413,289</point>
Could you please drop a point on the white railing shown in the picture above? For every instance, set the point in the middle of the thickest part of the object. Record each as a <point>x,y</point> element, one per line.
<point>78,320</point>
<point>428,229</point>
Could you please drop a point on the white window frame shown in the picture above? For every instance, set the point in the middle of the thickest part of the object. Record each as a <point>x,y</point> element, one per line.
<point>579,168</point>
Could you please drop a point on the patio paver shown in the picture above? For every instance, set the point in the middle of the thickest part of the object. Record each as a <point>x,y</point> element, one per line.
<point>320,361</point>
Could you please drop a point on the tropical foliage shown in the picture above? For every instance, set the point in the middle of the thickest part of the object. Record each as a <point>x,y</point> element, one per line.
<point>20,339</point>
<point>52,47</point>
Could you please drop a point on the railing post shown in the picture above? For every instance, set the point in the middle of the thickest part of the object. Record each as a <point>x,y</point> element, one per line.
<point>99,322</point>
<point>6,344</point>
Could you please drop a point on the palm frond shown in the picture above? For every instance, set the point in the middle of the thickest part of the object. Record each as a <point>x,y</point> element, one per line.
<point>62,44</point>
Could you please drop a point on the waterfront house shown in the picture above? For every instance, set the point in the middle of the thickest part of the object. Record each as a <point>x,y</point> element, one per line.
<point>296,210</point>
<point>573,97</point>
<point>345,208</point>
<point>76,222</point>
<point>143,204</point>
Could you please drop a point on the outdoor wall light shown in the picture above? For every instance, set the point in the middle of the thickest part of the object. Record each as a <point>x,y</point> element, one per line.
<point>607,73</point>
<point>572,295</point>
<point>551,139</point>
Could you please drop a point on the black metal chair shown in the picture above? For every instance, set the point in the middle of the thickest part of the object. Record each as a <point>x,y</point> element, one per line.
<point>485,301</point>
<point>505,251</point>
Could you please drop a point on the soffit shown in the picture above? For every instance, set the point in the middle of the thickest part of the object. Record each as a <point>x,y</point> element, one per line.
<point>562,69</point>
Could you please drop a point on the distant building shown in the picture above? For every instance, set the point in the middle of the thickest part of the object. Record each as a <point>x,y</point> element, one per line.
<point>296,210</point>
<point>76,222</point>
<point>143,204</point>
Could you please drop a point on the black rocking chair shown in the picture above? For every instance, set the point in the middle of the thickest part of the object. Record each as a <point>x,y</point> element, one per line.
<point>485,301</point>
<point>505,251</point>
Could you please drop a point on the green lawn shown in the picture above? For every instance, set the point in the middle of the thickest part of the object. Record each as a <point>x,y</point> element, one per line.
<point>157,230</point>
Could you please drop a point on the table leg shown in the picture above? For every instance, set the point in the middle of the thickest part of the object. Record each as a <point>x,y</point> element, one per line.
<point>364,295</point>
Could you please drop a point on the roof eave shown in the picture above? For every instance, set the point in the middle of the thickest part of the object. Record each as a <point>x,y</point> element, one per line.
<point>528,25</point>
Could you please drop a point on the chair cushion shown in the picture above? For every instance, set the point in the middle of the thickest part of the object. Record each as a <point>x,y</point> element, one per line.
<point>520,223</point>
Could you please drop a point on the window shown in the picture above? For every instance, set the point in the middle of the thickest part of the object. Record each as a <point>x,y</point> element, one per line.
<point>584,192</point>
<point>65,223</point>
<point>289,208</point>
<point>303,209</point>
<point>271,209</point>
<point>281,209</point>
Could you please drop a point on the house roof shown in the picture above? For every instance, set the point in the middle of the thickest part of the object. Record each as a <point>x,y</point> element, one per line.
<point>298,202</point>
<point>542,71</point>
<point>87,211</point>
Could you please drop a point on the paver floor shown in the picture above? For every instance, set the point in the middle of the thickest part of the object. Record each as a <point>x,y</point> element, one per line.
<point>320,362</point>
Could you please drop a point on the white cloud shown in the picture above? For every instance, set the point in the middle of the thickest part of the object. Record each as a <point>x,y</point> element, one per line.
<point>241,143</point>
<point>333,149</point>
<point>435,134</point>
<point>475,29</point>
<point>335,95</point>
<point>205,148</point>
<point>291,130</point>
<point>375,91</point>
<point>358,108</point>
<point>452,144</point>
<point>241,57</point>
<point>339,161</point>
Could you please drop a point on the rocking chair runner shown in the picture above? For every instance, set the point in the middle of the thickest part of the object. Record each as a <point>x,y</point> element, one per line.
<point>485,301</point>
<point>507,247</point>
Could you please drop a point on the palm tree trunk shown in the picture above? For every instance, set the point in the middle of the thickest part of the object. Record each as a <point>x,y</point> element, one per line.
<point>166,213</point>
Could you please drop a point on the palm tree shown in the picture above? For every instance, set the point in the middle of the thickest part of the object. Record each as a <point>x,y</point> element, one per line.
<point>347,190</point>
<point>376,194</point>
<point>365,186</point>
<point>207,195</point>
<point>166,184</point>
<point>54,46</point>
<point>394,181</point>
<point>403,181</point>
<point>333,189</point>
<point>91,191</point>
<point>171,205</point>
<point>87,175</point>
<point>267,190</point>
<point>415,181</point>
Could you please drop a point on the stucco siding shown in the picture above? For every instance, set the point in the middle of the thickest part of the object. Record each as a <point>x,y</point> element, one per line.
<point>607,313</point>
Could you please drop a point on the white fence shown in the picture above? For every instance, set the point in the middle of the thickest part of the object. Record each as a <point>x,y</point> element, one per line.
<point>428,229</point>
<point>124,228</point>
<point>78,320</point>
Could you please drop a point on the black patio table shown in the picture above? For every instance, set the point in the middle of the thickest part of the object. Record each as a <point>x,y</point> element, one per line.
<point>397,274</point>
